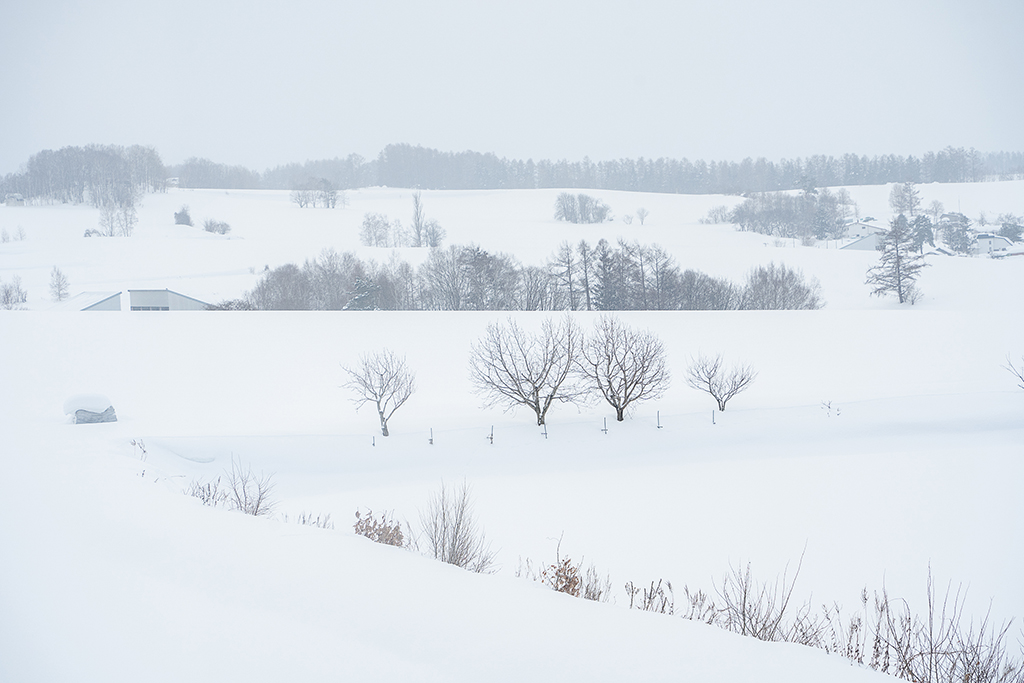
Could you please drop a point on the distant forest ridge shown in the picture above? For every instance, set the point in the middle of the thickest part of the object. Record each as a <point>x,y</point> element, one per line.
<point>91,173</point>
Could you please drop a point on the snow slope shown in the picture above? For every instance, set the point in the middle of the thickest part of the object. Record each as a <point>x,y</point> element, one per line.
<point>110,573</point>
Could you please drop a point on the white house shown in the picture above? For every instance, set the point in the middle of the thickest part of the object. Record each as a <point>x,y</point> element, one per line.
<point>163,300</point>
<point>986,243</point>
<point>859,229</point>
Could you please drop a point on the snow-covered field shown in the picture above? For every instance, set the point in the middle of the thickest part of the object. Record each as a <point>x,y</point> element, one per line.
<point>109,573</point>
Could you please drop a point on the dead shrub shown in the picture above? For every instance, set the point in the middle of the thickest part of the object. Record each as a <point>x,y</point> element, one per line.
<point>565,576</point>
<point>248,492</point>
<point>659,598</point>
<point>380,530</point>
<point>210,493</point>
<point>322,521</point>
<point>452,533</point>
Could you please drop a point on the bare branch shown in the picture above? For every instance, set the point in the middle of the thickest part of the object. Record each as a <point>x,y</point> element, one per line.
<point>1015,371</point>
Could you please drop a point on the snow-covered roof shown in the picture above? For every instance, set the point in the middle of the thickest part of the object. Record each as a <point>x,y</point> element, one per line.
<point>80,302</point>
<point>94,403</point>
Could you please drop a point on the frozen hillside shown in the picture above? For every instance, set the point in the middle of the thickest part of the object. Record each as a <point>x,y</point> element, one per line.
<point>876,441</point>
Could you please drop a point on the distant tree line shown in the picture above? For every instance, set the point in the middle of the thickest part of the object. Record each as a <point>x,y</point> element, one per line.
<point>63,175</point>
<point>100,175</point>
<point>201,173</point>
<point>602,277</point>
<point>411,166</point>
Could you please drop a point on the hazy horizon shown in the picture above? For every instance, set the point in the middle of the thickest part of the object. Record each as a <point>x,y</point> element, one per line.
<point>265,84</point>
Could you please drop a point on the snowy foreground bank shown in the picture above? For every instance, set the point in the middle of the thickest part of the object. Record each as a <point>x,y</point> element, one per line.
<point>879,441</point>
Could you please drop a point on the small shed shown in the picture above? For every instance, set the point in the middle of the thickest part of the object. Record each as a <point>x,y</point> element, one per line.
<point>90,301</point>
<point>163,300</point>
<point>90,409</point>
<point>14,199</point>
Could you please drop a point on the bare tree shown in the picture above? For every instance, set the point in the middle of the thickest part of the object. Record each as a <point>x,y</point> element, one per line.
<point>418,221</point>
<point>452,532</point>
<point>303,197</point>
<point>565,268</point>
<point>707,374</point>
<point>12,296</point>
<point>511,367</point>
<point>398,236</point>
<point>375,231</point>
<point>218,227</point>
<point>625,365</point>
<point>904,198</point>
<point>776,287</point>
<point>586,270</point>
<point>118,219</point>
<point>327,193</point>
<point>108,221</point>
<point>58,285</point>
<point>565,208</point>
<point>1015,371</point>
<point>433,234</point>
<point>384,380</point>
<point>580,208</point>
<point>642,214</point>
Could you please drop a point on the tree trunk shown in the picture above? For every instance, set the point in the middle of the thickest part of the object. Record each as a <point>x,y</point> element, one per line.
<point>619,414</point>
<point>383,424</point>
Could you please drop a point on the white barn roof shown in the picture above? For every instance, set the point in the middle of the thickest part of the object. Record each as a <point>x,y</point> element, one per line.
<point>89,301</point>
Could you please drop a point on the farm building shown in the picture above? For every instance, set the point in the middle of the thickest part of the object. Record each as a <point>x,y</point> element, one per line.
<point>163,300</point>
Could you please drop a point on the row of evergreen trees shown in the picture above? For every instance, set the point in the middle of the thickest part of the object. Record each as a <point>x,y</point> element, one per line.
<point>603,277</point>
<point>420,167</point>
<point>98,172</point>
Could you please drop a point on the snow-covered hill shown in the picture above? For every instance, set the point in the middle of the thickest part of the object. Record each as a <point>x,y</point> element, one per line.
<point>877,440</point>
<point>268,230</point>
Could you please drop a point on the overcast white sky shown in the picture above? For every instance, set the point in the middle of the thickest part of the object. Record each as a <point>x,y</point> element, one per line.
<point>261,83</point>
